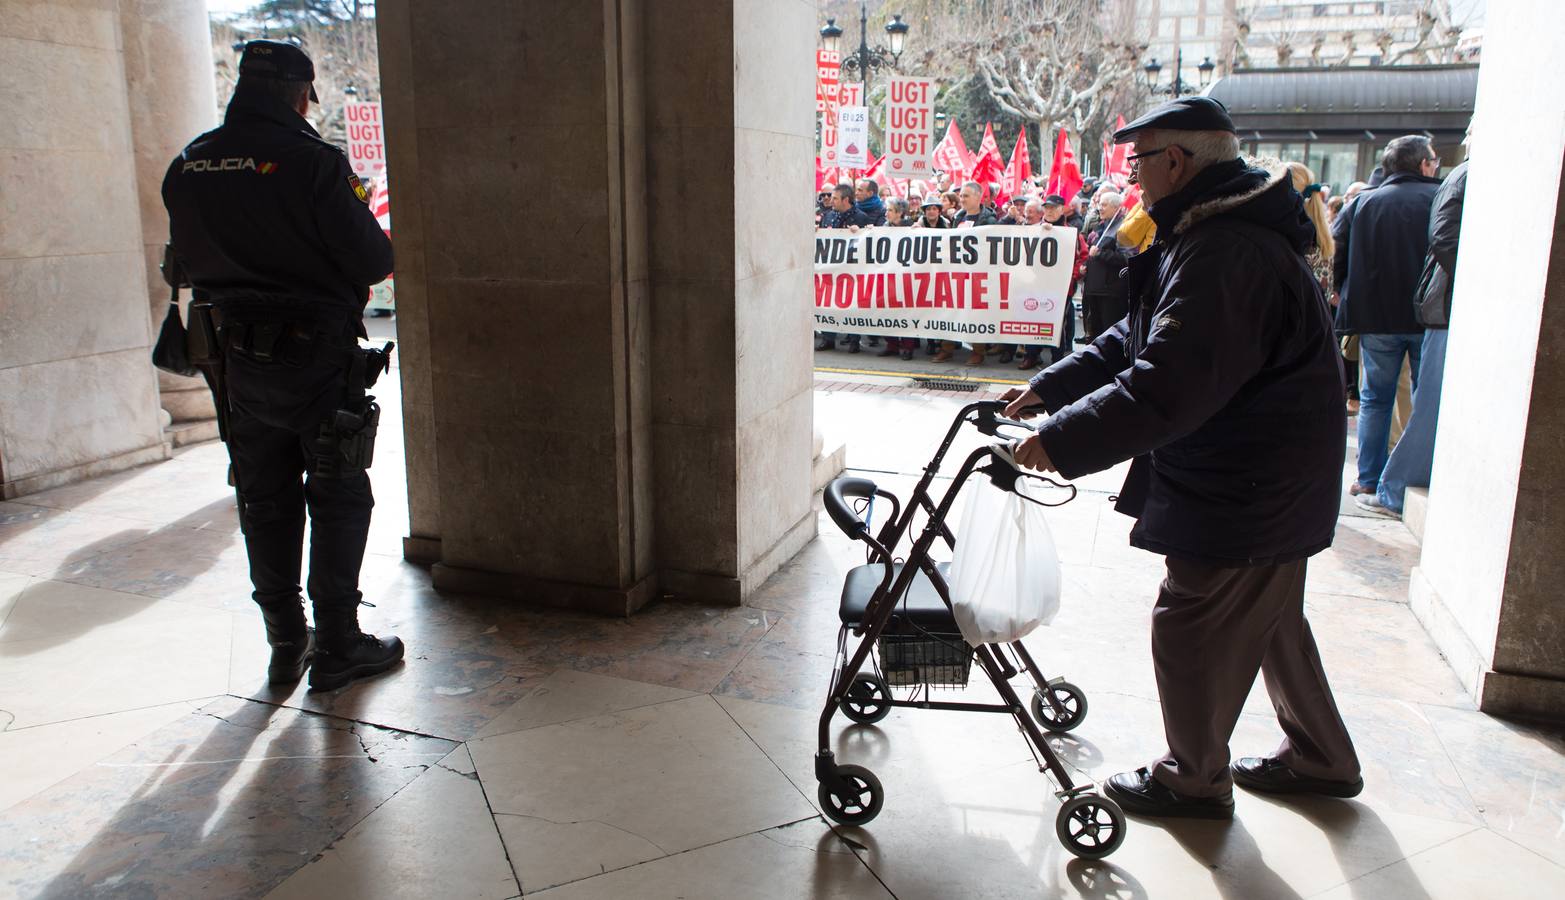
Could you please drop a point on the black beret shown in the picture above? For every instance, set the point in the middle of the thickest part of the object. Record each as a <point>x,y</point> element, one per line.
<point>1184,114</point>
<point>277,60</point>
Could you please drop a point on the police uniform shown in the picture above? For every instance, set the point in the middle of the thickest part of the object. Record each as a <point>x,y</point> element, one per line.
<point>271,228</point>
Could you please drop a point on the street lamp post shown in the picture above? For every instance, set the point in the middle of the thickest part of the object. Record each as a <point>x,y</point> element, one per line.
<point>1178,88</point>
<point>865,59</point>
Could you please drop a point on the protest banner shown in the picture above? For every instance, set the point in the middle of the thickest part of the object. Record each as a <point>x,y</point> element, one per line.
<point>999,283</point>
<point>851,93</point>
<point>366,137</point>
<point>853,136</point>
<point>910,122</point>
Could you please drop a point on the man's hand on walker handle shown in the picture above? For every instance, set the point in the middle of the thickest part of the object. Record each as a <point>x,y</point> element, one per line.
<point>1018,400</point>
<point>1031,455</point>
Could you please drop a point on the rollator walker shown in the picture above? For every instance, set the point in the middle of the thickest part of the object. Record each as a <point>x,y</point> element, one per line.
<point>902,614</point>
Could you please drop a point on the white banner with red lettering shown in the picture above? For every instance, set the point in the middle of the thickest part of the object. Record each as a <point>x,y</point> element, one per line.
<point>996,284</point>
<point>910,124</point>
<point>366,137</point>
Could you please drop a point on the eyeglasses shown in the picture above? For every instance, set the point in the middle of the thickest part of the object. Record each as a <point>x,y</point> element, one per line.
<point>1140,156</point>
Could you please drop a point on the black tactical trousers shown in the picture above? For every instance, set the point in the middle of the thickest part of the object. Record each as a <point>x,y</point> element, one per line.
<point>276,409</point>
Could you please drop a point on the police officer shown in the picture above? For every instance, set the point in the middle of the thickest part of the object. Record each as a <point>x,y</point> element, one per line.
<point>274,235</point>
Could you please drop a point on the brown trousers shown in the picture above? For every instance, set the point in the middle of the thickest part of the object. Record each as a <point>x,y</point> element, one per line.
<point>1212,630</point>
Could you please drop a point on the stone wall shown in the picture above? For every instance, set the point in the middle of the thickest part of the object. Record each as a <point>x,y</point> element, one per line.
<point>78,394</point>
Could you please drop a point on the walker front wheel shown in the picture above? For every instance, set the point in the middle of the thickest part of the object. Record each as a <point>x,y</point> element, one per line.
<point>859,804</point>
<point>1090,826</point>
<point>1068,710</point>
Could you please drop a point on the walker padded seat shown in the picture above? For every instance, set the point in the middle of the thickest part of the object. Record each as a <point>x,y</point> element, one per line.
<point>922,605</point>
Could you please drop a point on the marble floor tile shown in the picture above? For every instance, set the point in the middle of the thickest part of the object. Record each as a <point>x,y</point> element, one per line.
<point>1513,770</point>
<point>190,488</point>
<point>565,696</point>
<point>580,797</point>
<point>69,651</point>
<point>1378,648</point>
<point>448,692</point>
<point>38,540</point>
<point>791,863</point>
<point>11,587</point>
<point>1369,557</point>
<point>791,665</point>
<point>35,758</point>
<point>226,801</point>
<point>1478,864</point>
<point>434,838</point>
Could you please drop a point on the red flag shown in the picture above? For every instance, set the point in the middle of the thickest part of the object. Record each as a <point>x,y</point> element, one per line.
<point>875,167</point>
<point>988,166</point>
<point>1117,166</point>
<point>952,156</point>
<point>1019,172</point>
<point>1064,174</point>
<point>825,179</point>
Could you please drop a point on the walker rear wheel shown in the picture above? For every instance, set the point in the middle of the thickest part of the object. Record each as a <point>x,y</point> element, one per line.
<point>865,701</point>
<point>1090,826</point>
<point>860,804</point>
<point>1072,711</point>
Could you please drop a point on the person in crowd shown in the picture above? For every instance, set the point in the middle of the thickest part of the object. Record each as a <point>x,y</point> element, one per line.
<point>886,192</point>
<point>1315,207</point>
<point>866,195</point>
<point>952,202</point>
<point>973,214</point>
<point>897,213</point>
<point>1015,211</point>
<point>1412,460</point>
<point>1381,240</point>
<point>822,206</point>
<point>1032,213</point>
<point>1076,216</point>
<point>933,213</point>
<point>844,213</point>
<point>1103,293</point>
<point>1054,213</point>
<point>1333,206</point>
<point>1224,389</point>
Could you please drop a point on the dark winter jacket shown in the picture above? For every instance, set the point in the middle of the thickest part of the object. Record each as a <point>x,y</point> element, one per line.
<point>985,217</point>
<point>854,216</point>
<point>1102,275</point>
<point>1224,383</point>
<point>1381,239</point>
<point>1445,229</point>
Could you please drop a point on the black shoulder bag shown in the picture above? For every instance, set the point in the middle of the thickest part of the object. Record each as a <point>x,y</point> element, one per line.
<point>172,351</point>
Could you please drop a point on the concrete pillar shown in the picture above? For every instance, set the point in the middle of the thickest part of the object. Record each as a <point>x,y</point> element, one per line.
<point>606,368</point>
<point>169,82</point>
<point>78,396</point>
<point>1492,576</point>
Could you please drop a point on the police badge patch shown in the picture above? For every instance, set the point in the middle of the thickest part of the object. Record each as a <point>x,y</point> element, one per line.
<point>358,188</point>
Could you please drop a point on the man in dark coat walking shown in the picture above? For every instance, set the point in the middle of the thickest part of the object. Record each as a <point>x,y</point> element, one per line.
<point>1412,460</point>
<point>1381,238</point>
<point>1224,386</point>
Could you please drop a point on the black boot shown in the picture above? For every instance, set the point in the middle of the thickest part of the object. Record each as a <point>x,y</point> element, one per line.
<point>344,653</point>
<point>292,640</point>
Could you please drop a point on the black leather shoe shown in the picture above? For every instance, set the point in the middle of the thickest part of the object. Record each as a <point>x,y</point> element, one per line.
<point>854,347</point>
<point>337,664</point>
<point>824,344</point>
<point>291,658</point>
<point>1139,794</point>
<point>1270,775</point>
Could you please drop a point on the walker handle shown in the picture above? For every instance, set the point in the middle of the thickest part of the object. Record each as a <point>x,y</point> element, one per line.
<point>841,511</point>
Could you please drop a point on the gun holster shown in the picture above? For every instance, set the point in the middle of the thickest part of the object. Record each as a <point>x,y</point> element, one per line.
<point>346,443</point>
<point>206,351</point>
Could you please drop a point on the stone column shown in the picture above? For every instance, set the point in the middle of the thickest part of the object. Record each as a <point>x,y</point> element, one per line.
<point>169,82</point>
<point>730,120</point>
<point>607,366</point>
<point>1489,584</point>
<point>77,392</point>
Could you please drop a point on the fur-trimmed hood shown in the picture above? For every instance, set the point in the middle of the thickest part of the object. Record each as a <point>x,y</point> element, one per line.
<point>1259,191</point>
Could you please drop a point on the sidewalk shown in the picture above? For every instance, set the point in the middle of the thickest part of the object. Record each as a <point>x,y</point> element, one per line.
<point>533,750</point>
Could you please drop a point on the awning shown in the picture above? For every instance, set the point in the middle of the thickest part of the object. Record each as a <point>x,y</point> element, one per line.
<point>1343,103</point>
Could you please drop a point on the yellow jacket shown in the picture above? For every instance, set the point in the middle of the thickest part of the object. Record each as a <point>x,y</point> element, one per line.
<point>1138,229</point>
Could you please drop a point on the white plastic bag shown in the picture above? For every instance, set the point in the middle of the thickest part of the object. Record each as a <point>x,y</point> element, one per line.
<point>1005,572</point>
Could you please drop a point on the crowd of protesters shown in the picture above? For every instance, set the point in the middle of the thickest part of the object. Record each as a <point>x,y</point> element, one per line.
<point>1384,255</point>
<point>1103,244</point>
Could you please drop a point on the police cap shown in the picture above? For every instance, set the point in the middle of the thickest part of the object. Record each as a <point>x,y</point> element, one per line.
<point>1184,114</point>
<point>279,61</point>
